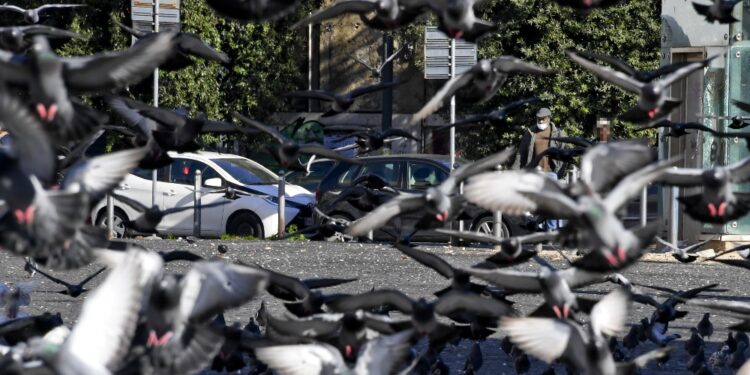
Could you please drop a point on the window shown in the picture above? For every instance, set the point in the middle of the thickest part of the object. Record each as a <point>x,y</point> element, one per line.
<point>389,171</point>
<point>146,174</point>
<point>246,172</point>
<point>423,175</point>
<point>183,171</point>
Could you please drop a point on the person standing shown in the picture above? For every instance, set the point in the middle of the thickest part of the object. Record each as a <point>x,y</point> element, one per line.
<point>537,139</point>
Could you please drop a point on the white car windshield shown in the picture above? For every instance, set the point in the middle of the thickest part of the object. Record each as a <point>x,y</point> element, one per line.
<point>246,171</point>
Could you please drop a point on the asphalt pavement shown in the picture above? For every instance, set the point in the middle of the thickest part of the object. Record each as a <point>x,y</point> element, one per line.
<point>380,266</point>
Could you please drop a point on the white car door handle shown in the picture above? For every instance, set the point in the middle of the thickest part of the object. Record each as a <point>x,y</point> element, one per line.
<point>170,193</point>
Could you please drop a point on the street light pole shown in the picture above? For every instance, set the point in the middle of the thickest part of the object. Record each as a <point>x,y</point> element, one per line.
<point>156,102</point>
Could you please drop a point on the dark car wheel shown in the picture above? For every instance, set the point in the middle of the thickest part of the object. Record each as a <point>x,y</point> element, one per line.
<point>245,224</point>
<point>118,222</point>
<point>486,225</point>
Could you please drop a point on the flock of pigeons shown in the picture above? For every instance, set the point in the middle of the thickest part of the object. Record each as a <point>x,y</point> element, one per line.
<point>142,319</point>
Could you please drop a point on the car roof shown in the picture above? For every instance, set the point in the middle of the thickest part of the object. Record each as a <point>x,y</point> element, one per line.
<point>206,154</point>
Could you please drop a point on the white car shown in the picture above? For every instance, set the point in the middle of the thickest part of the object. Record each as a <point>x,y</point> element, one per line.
<point>250,215</point>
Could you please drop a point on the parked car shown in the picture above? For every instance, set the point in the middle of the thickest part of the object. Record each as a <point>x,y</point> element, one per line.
<point>406,173</point>
<point>250,215</point>
<point>310,181</point>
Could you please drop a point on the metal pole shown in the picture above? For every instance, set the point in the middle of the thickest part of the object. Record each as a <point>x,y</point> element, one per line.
<point>282,205</point>
<point>156,99</point>
<point>110,217</point>
<point>453,106</point>
<point>197,204</point>
<point>498,225</point>
<point>644,206</point>
<point>675,216</point>
<point>309,63</point>
<point>385,77</point>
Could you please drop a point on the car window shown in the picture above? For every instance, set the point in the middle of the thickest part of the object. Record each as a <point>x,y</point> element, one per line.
<point>317,172</point>
<point>146,174</point>
<point>246,172</point>
<point>183,171</point>
<point>423,175</point>
<point>349,175</point>
<point>390,171</point>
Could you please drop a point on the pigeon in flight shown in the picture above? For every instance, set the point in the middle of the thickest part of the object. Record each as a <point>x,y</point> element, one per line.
<point>377,357</point>
<point>387,10</point>
<point>18,38</point>
<point>253,10</point>
<point>50,78</point>
<point>495,118</point>
<point>342,103</point>
<point>585,348</point>
<point>98,342</point>
<point>684,254</point>
<point>73,290</point>
<point>717,203</point>
<point>33,15</point>
<point>653,102</point>
<point>677,129</point>
<point>719,11</point>
<point>151,217</point>
<point>456,18</point>
<point>586,5</point>
<point>642,76</point>
<point>287,153</point>
<point>186,46</point>
<point>377,72</point>
<point>484,78</point>
<point>369,140</point>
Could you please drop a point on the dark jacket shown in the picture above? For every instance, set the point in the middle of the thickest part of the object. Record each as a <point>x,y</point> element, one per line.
<point>526,147</point>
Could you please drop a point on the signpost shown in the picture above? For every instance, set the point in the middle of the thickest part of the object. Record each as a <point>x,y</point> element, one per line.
<point>446,58</point>
<point>148,16</point>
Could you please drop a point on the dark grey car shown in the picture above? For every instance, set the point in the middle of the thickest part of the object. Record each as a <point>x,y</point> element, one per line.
<point>406,173</point>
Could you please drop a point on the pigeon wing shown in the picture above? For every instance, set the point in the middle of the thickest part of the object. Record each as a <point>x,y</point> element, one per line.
<point>610,75</point>
<point>385,212</point>
<point>313,359</point>
<point>382,355</point>
<point>108,319</point>
<point>519,281</point>
<point>34,150</point>
<point>609,316</point>
<point>448,90</point>
<point>430,260</point>
<point>543,338</point>
<point>260,126</point>
<point>338,8</point>
<point>101,174</point>
<point>212,287</point>
<point>118,69</point>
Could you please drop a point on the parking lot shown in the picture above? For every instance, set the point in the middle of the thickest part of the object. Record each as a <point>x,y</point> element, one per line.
<point>379,266</point>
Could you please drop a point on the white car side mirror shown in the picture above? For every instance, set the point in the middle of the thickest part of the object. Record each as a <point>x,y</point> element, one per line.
<point>213,182</point>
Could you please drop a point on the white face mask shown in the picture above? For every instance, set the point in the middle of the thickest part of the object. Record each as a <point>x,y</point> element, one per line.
<point>542,125</point>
